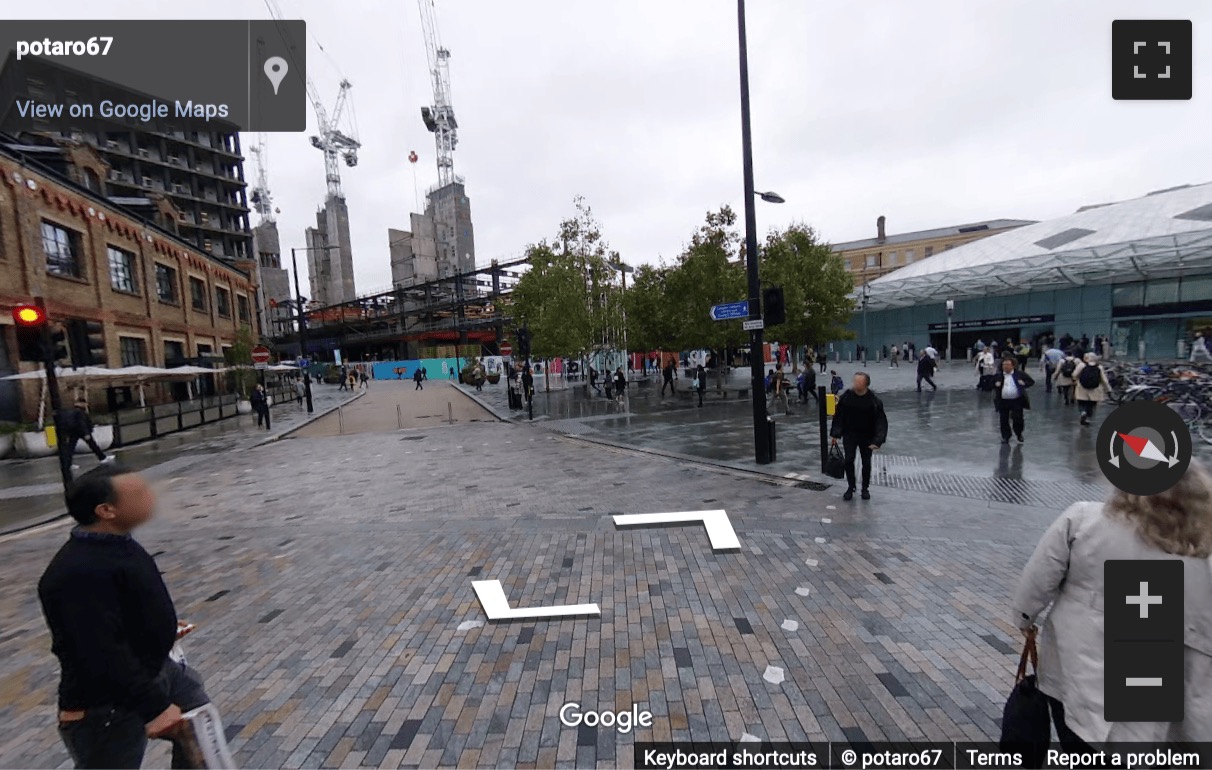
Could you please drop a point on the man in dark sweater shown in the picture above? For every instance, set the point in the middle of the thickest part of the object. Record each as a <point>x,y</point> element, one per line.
<point>75,425</point>
<point>112,625</point>
<point>859,421</point>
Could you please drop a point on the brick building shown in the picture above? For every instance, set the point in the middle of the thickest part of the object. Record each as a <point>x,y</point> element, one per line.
<point>162,300</point>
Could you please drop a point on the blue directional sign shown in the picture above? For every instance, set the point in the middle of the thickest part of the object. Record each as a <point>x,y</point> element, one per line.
<point>730,310</point>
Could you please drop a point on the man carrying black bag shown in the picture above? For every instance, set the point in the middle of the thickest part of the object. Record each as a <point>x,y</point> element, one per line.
<point>862,426</point>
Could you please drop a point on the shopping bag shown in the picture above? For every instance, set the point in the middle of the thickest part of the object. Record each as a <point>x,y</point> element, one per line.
<point>202,740</point>
<point>1026,724</point>
<point>835,463</point>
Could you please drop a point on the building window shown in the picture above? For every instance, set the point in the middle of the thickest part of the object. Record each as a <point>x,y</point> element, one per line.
<point>134,351</point>
<point>174,353</point>
<point>166,284</point>
<point>122,270</point>
<point>242,308</point>
<point>223,302</point>
<point>873,260</point>
<point>62,247</point>
<point>908,256</point>
<point>205,350</point>
<point>929,251</point>
<point>197,294</point>
<point>949,247</point>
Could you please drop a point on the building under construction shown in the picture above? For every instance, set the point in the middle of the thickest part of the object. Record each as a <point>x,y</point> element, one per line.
<point>407,322</point>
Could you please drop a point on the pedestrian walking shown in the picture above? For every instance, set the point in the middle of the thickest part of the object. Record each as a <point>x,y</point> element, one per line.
<point>300,390</point>
<point>925,370</point>
<point>1199,350</point>
<point>365,379</point>
<point>1023,355</point>
<point>1065,578</point>
<point>823,359</point>
<point>985,367</point>
<point>895,361</point>
<point>1010,399</point>
<point>836,386</point>
<point>1091,386</point>
<point>807,385</point>
<point>418,377</point>
<point>260,405</point>
<point>1049,364</point>
<point>668,375</point>
<point>112,625</point>
<point>700,381</point>
<point>1064,377</point>
<point>344,377</point>
<point>620,385</point>
<point>862,426</point>
<point>75,425</point>
<point>527,382</point>
<point>778,388</point>
<point>593,380</point>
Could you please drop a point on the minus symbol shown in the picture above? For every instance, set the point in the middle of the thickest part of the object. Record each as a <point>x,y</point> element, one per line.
<point>1143,681</point>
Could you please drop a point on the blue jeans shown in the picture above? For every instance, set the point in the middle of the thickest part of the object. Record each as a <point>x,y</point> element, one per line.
<point>114,737</point>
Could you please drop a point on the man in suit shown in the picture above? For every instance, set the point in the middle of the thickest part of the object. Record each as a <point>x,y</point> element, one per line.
<point>1010,398</point>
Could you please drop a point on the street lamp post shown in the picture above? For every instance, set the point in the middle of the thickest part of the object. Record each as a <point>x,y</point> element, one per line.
<point>303,322</point>
<point>950,310</point>
<point>761,425</point>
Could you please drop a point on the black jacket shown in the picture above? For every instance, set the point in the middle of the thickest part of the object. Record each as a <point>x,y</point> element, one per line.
<point>1022,379</point>
<point>75,422</point>
<point>861,418</point>
<point>112,624</point>
<point>925,366</point>
<point>257,399</point>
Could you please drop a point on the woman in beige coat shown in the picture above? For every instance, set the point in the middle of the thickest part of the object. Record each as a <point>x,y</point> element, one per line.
<point>1088,398</point>
<point>1065,577</point>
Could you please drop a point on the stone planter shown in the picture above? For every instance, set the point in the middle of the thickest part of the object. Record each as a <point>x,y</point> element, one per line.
<point>33,444</point>
<point>102,434</point>
<point>6,444</point>
<point>244,406</point>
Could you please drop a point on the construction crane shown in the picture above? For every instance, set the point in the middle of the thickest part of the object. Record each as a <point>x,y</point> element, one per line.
<point>261,200</point>
<point>336,144</point>
<point>439,117</point>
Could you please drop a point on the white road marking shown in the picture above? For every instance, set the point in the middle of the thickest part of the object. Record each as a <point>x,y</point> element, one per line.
<point>492,598</point>
<point>719,529</point>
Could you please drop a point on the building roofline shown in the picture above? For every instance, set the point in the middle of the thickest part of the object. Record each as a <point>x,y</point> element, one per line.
<point>935,232</point>
<point>92,195</point>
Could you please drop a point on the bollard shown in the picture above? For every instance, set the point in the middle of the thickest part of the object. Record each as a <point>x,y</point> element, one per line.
<point>340,421</point>
<point>449,414</point>
<point>399,417</point>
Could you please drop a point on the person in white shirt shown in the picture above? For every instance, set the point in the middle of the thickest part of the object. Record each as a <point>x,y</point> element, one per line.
<point>1010,397</point>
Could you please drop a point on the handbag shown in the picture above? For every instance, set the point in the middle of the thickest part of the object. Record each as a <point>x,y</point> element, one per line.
<point>1026,721</point>
<point>835,463</point>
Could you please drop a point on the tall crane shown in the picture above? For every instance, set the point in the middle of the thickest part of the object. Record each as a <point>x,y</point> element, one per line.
<point>336,144</point>
<point>439,118</point>
<point>261,200</point>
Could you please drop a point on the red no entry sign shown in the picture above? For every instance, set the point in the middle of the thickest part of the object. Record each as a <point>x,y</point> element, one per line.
<point>260,355</point>
<point>506,349</point>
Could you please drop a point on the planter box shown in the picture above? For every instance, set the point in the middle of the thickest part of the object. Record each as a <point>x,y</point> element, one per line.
<point>102,434</point>
<point>33,444</point>
<point>243,406</point>
<point>6,444</point>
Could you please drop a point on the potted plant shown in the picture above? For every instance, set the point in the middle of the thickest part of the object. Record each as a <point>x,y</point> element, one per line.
<point>103,432</point>
<point>239,357</point>
<point>31,442</point>
<point>8,437</point>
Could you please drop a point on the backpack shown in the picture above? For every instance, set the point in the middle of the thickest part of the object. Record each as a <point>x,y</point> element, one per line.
<point>1090,377</point>
<point>1067,367</point>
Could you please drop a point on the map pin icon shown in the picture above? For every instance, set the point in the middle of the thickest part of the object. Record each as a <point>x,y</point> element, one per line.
<point>275,70</point>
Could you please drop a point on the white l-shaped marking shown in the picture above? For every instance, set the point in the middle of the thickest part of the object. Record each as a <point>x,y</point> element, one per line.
<point>492,598</point>
<point>719,529</point>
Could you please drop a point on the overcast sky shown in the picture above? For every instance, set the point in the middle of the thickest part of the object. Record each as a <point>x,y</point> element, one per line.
<point>932,113</point>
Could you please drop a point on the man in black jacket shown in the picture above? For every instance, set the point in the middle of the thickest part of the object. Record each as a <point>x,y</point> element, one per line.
<point>112,625</point>
<point>925,370</point>
<point>75,425</point>
<point>1010,397</point>
<point>861,424</point>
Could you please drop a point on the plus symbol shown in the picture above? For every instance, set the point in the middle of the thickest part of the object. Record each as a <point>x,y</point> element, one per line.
<point>1144,600</point>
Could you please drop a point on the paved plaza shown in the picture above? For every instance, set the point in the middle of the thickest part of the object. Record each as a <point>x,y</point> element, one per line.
<point>331,581</point>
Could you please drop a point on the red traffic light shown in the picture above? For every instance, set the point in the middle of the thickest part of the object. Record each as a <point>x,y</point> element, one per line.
<point>29,316</point>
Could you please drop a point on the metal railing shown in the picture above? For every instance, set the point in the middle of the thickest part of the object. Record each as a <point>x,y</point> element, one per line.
<point>132,426</point>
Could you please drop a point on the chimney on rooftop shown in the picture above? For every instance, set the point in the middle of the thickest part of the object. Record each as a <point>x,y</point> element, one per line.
<point>879,228</point>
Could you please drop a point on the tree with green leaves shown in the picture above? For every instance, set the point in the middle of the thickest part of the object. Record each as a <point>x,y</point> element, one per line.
<point>239,355</point>
<point>816,286</point>
<point>708,272</point>
<point>570,297</point>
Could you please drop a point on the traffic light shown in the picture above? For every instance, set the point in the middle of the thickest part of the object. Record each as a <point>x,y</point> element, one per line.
<point>524,343</point>
<point>29,320</point>
<point>94,344</point>
<point>58,346</point>
<point>774,312</point>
